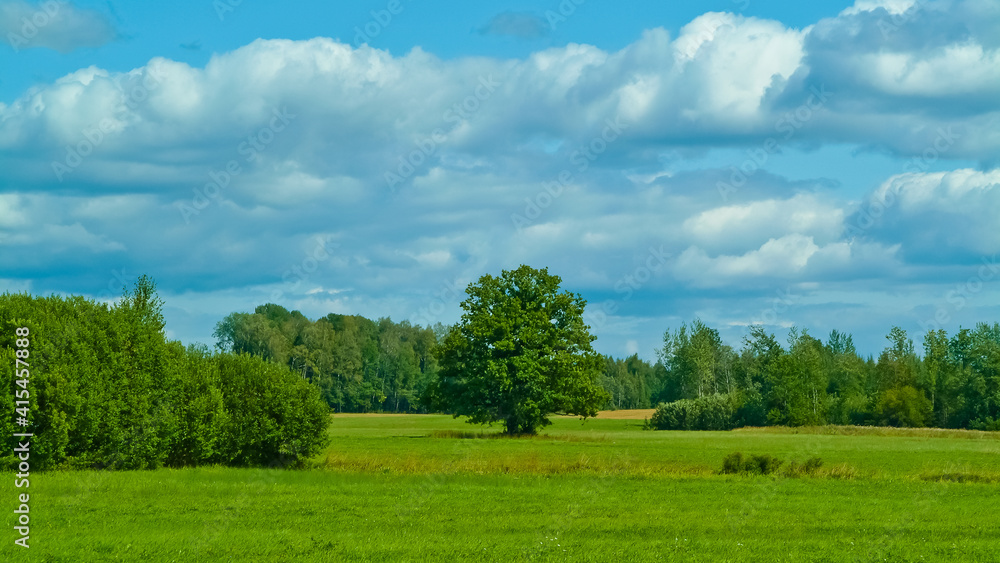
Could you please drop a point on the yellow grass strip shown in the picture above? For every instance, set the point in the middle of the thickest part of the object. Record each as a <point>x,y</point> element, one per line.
<point>631,414</point>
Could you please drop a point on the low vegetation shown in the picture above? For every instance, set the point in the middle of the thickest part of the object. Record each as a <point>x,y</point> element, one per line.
<point>419,488</point>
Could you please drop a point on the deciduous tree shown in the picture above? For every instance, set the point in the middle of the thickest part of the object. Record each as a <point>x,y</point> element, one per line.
<point>520,353</point>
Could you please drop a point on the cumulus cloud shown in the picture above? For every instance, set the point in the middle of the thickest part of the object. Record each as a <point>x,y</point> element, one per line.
<point>367,117</point>
<point>948,217</point>
<point>287,168</point>
<point>55,24</point>
<point>895,7</point>
<point>795,257</point>
<point>735,226</point>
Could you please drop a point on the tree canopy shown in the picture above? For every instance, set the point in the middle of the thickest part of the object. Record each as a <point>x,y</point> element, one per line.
<point>520,353</point>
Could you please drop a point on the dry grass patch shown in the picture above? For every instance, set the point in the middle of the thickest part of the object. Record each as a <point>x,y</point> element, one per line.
<point>632,414</point>
<point>484,435</point>
<point>530,464</point>
<point>875,431</point>
<point>372,415</point>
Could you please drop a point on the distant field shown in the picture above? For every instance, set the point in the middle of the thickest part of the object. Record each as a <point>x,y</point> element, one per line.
<point>431,488</point>
<point>636,414</point>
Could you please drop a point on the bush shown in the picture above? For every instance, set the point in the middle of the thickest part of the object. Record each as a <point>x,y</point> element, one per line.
<point>274,416</point>
<point>735,463</point>
<point>712,412</point>
<point>764,464</point>
<point>732,463</point>
<point>986,423</point>
<point>107,391</point>
<point>904,406</point>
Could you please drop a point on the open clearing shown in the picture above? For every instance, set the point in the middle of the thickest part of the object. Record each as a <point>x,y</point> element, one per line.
<point>431,488</point>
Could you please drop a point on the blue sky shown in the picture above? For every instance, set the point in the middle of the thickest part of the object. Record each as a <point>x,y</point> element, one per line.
<point>821,165</point>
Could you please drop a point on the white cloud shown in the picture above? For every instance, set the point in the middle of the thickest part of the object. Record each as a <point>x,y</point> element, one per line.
<point>895,7</point>
<point>937,213</point>
<point>362,113</point>
<point>490,134</point>
<point>783,257</point>
<point>963,68</point>
<point>11,214</point>
<point>735,226</point>
<point>60,238</point>
<point>731,64</point>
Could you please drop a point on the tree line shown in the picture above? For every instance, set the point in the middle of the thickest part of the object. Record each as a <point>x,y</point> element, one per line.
<point>955,383</point>
<point>361,365</point>
<point>108,390</point>
<point>358,365</point>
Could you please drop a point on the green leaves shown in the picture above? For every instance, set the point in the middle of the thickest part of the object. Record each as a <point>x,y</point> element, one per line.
<point>108,391</point>
<point>520,353</point>
<point>357,364</point>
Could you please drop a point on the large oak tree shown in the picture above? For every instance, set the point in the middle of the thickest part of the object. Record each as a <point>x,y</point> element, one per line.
<point>520,353</point>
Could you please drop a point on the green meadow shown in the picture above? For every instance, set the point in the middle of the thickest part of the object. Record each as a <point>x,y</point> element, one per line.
<point>432,488</point>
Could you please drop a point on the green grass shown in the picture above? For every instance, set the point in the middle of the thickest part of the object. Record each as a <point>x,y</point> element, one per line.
<point>427,488</point>
<point>420,444</point>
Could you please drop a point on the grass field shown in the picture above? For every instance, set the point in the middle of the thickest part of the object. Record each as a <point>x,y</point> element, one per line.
<point>431,488</point>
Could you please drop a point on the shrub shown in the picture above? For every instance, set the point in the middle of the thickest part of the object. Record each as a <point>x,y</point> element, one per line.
<point>712,412</point>
<point>755,465</point>
<point>986,423</point>
<point>107,391</point>
<point>904,406</point>
<point>732,463</point>
<point>274,416</point>
<point>764,464</point>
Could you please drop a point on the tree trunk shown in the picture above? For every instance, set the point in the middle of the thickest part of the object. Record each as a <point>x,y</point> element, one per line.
<point>511,425</point>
